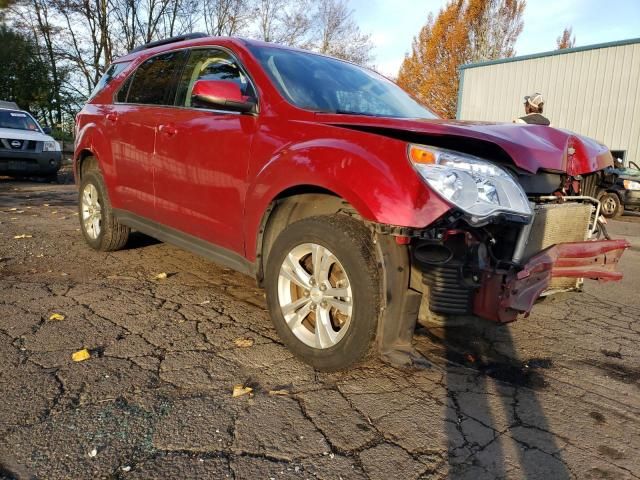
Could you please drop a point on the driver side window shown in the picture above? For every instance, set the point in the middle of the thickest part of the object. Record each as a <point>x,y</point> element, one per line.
<point>210,64</point>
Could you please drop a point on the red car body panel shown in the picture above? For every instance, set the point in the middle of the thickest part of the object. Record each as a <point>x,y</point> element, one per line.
<point>517,292</point>
<point>214,175</point>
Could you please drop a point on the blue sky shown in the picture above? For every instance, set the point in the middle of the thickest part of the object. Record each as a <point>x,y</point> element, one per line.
<point>394,23</point>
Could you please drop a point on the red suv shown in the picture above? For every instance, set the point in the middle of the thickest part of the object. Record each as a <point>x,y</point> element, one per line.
<point>357,209</point>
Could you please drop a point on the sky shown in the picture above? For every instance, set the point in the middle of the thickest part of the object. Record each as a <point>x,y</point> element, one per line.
<point>393,24</point>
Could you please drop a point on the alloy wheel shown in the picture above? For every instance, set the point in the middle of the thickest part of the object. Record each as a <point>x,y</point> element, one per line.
<point>315,295</point>
<point>91,211</point>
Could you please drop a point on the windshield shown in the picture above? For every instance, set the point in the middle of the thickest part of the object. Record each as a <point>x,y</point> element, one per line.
<point>18,121</point>
<point>325,84</point>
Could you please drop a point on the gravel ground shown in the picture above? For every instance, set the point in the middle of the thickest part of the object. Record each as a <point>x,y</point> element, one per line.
<point>553,396</point>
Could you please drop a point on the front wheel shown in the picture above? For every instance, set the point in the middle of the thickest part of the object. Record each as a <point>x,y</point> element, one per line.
<point>610,205</point>
<point>322,283</point>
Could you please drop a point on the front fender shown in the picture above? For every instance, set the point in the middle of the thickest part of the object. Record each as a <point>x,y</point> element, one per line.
<point>378,182</point>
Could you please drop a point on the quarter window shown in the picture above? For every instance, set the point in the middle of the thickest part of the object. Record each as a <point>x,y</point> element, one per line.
<point>154,81</point>
<point>210,64</point>
<point>113,71</point>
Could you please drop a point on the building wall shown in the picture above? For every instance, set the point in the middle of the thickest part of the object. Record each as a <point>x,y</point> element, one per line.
<point>594,92</point>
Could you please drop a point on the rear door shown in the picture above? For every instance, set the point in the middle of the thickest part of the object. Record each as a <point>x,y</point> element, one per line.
<point>202,156</point>
<point>133,121</point>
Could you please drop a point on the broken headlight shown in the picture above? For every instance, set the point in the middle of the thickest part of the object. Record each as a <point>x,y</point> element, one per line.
<point>472,184</point>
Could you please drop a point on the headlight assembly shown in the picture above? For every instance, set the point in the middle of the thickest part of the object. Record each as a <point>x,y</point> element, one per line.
<point>631,185</point>
<point>472,184</point>
<point>51,146</point>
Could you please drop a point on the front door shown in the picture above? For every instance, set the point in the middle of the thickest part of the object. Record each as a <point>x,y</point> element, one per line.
<point>202,156</point>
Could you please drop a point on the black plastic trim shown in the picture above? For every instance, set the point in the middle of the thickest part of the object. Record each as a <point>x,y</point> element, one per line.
<point>185,241</point>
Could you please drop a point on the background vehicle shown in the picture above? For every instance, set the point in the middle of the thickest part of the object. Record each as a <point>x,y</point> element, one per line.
<point>620,190</point>
<point>26,149</point>
<point>357,209</point>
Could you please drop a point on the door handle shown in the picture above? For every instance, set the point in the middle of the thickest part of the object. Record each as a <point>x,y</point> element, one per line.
<point>112,117</point>
<point>168,130</point>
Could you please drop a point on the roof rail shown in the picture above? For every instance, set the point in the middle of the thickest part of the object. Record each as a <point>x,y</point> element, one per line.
<point>10,105</point>
<point>165,41</point>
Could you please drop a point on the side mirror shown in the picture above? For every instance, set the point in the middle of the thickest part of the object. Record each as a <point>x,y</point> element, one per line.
<point>47,130</point>
<point>221,94</point>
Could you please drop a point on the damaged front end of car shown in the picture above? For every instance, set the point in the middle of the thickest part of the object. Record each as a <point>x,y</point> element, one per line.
<point>510,237</point>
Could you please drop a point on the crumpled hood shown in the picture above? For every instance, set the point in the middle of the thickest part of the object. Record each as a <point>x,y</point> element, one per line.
<point>24,135</point>
<point>531,147</point>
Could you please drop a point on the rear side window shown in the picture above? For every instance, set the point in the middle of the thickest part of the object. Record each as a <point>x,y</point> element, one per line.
<point>153,83</point>
<point>113,71</point>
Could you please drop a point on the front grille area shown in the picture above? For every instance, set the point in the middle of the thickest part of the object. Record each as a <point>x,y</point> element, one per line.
<point>16,144</point>
<point>589,185</point>
<point>558,223</point>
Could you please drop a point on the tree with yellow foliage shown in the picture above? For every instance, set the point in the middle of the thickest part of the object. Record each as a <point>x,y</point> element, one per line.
<point>464,31</point>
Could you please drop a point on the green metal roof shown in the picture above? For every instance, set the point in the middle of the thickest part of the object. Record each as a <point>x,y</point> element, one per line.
<point>564,51</point>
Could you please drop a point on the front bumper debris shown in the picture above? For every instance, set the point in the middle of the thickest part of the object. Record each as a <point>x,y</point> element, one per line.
<point>504,295</point>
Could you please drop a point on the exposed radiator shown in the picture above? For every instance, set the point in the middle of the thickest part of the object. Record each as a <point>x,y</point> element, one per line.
<point>559,223</point>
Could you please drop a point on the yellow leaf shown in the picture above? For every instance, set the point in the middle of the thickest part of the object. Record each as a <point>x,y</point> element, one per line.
<point>240,390</point>
<point>161,276</point>
<point>56,316</point>
<point>24,235</point>
<point>244,342</point>
<point>81,355</point>
<point>278,392</point>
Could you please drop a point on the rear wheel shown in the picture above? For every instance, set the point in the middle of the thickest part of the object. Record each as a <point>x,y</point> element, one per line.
<point>323,291</point>
<point>610,205</point>
<point>99,227</point>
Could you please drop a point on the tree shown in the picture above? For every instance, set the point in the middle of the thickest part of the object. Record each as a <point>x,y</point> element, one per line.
<point>24,76</point>
<point>286,22</point>
<point>464,31</point>
<point>566,40</point>
<point>338,35</point>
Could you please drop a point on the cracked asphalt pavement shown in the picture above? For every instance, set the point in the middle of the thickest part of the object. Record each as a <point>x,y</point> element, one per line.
<point>553,396</point>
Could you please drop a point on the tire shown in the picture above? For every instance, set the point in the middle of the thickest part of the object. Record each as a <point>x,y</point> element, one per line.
<point>111,235</point>
<point>351,265</point>
<point>611,206</point>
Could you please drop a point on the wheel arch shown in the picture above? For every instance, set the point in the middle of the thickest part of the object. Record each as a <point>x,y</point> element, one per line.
<point>289,206</point>
<point>84,160</point>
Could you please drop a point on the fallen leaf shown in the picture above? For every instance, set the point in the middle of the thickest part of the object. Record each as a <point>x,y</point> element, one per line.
<point>56,316</point>
<point>240,390</point>
<point>278,392</point>
<point>244,342</point>
<point>161,276</point>
<point>24,235</point>
<point>81,355</point>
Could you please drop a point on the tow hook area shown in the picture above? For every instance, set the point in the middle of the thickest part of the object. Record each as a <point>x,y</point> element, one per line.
<point>504,295</point>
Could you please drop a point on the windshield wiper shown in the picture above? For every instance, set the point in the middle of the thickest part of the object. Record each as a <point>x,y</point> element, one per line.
<point>351,112</point>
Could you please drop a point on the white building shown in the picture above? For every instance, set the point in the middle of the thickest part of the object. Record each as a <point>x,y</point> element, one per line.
<point>592,90</point>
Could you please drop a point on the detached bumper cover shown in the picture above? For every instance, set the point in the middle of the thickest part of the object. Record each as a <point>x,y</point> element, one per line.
<point>505,295</point>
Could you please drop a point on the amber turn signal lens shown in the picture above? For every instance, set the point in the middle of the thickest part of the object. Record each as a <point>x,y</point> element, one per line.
<point>420,155</point>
